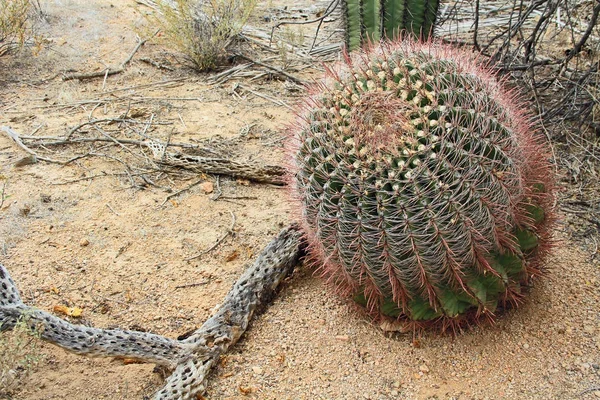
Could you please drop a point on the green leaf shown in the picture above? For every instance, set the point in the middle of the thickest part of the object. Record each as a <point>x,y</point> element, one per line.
<point>478,289</point>
<point>498,267</point>
<point>512,264</point>
<point>360,299</point>
<point>456,303</point>
<point>539,188</point>
<point>420,310</point>
<point>390,308</point>
<point>535,212</point>
<point>527,239</point>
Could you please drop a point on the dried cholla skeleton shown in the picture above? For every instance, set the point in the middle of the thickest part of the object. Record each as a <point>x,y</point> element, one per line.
<point>191,358</point>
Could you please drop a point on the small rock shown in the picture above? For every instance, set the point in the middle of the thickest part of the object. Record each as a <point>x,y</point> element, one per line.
<point>394,393</point>
<point>207,187</point>
<point>342,338</point>
<point>257,370</point>
<point>526,346</point>
<point>424,369</point>
<point>84,242</point>
<point>597,393</point>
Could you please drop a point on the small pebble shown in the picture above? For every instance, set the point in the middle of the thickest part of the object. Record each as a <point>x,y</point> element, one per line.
<point>84,242</point>
<point>424,368</point>
<point>343,338</point>
<point>257,370</point>
<point>207,187</point>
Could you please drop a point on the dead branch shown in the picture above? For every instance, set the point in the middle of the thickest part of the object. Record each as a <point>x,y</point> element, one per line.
<point>206,159</point>
<point>273,174</point>
<point>193,357</point>
<point>272,68</point>
<point>110,70</point>
<point>15,138</point>
<point>185,189</point>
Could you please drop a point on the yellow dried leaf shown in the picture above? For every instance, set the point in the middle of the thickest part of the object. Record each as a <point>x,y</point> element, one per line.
<point>75,312</point>
<point>61,310</point>
<point>127,361</point>
<point>70,311</point>
<point>246,390</point>
<point>232,256</point>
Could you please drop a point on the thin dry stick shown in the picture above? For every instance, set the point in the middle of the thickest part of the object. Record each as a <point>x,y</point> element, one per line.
<point>3,194</point>
<point>169,197</point>
<point>214,246</point>
<point>264,96</point>
<point>110,71</point>
<point>15,137</point>
<point>272,68</point>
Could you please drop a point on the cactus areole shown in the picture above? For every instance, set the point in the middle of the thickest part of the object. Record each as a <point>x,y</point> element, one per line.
<point>425,192</point>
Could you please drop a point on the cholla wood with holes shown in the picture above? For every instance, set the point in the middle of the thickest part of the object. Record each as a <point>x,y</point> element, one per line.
<point>423,186</point>
<point>191,358</point>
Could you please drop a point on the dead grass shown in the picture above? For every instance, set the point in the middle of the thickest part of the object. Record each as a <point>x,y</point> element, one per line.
<point>16,23</point>
<point>20,354</point>
<point>203,29</point>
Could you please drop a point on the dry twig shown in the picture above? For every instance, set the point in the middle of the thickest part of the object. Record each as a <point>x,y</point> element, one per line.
<point>218,242</point>
<point>110,70</point>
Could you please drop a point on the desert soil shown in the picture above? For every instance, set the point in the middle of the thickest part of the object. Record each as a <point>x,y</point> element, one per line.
<point>112,248</point>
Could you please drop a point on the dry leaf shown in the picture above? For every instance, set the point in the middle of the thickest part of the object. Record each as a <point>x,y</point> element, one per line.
<point>127,361</point>
<point>174,203</point>
<point>394,326</point>
<point>70,311</point>
<point>246,390</point>
<point>232,256</point>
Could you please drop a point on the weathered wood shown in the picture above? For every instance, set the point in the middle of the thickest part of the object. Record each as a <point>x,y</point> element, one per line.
<point>192,357</point>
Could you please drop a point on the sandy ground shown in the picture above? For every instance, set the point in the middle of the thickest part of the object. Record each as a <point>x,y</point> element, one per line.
<point>116,252</point>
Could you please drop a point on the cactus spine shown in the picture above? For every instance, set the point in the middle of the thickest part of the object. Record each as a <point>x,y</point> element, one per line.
<point>372,20</point>
<point>423,189</point>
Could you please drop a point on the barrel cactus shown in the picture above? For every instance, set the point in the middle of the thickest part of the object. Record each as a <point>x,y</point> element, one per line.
<point>425,192</point>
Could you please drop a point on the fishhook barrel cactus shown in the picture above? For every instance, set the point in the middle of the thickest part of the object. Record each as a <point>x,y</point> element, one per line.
<point>425,192</point>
